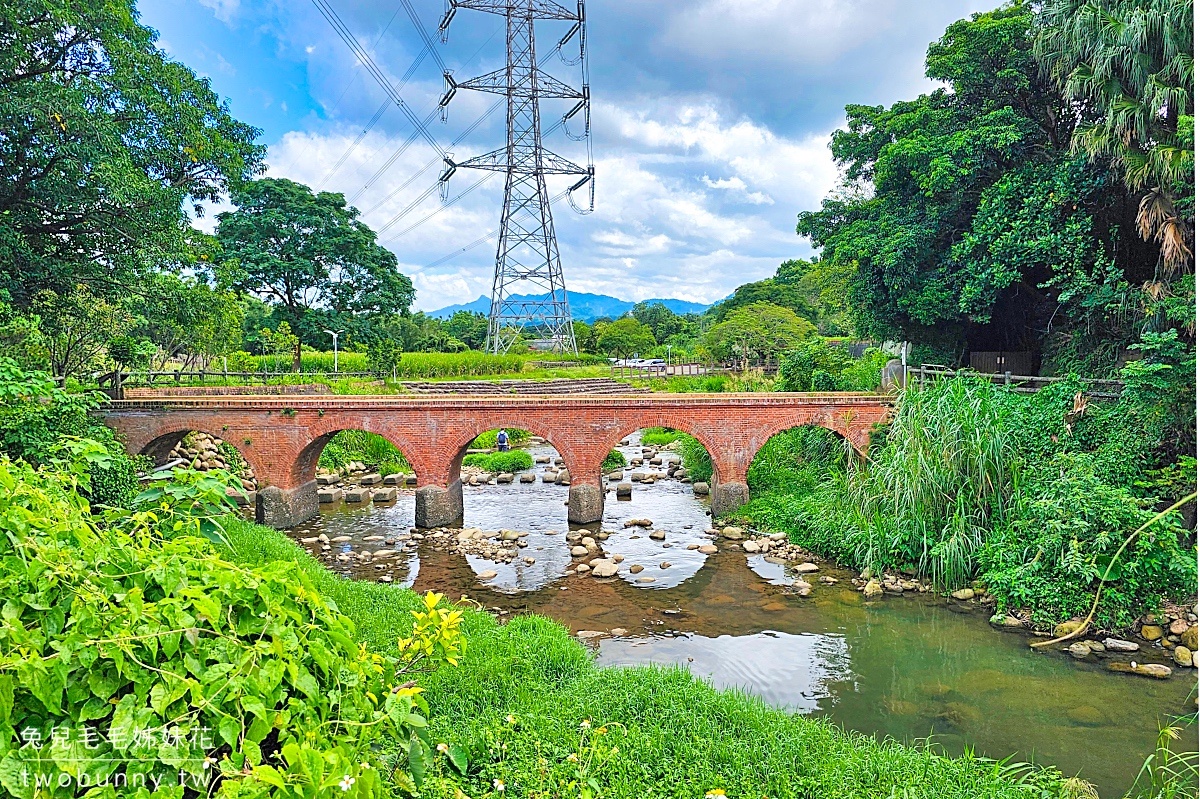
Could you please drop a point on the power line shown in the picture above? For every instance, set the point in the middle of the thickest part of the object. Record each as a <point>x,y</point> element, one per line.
<point>368,62</point>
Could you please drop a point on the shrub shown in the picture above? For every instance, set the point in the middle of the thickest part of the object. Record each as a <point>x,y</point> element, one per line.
<point>695,459</point>
<point>612,461</point>
<point>514,460</point>
<point>158,658</point>
<point>36,416</point>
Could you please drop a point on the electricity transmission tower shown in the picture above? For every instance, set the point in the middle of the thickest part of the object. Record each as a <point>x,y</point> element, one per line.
<point>527,256</point>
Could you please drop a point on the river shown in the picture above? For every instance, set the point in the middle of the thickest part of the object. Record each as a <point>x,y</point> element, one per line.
<point>911,667</point>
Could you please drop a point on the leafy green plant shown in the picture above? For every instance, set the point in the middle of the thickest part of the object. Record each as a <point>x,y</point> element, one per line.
<point>514,460</point>
<point>612,461</point>
<point>160,659</point>
<point>661,436</point>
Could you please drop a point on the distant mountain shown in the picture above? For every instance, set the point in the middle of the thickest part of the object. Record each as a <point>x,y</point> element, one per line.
<point>584,307</point>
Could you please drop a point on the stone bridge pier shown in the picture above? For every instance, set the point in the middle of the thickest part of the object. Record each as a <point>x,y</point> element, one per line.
<point>282,437</point>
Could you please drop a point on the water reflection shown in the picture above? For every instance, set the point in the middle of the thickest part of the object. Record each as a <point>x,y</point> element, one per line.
<point>904,667</point>
<point>790,671</point>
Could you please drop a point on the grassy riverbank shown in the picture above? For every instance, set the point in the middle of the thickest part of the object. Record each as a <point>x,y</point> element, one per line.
<point>1029,495</point>
<point>673,735</point>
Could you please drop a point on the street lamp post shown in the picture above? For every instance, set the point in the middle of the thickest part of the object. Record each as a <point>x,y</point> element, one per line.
<point>335,334</point>
<point>668,358</point>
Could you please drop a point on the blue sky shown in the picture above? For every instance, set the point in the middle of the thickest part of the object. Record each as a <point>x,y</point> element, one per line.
<point>711,123</point>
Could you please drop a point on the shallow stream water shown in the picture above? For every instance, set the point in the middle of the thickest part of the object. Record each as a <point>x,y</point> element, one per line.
<point>911,667</point>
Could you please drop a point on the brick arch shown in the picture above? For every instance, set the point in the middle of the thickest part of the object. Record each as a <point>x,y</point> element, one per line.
<point>304,467</point>
<point>458,445</point>
<point>162,438</point>
<point>680,422</point>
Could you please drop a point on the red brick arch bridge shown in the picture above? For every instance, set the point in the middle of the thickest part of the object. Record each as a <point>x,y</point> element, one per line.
<point>281,437</point>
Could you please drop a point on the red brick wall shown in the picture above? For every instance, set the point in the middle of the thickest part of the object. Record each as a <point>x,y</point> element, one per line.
<point>282,437</point>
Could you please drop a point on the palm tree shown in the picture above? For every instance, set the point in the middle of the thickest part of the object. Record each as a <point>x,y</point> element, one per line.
<point>1127,65</point>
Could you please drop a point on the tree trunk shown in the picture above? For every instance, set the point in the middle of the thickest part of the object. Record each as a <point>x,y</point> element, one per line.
<point>296,357</point>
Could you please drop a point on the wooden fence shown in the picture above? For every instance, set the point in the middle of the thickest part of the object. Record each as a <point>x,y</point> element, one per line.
<point>920,376</point>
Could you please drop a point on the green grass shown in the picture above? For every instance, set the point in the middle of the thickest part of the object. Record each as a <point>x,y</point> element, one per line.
<point>372,450</point>
<point>487,440</point>
<point>514,460</point>
<point>675,736</point>
<point>660,436</point>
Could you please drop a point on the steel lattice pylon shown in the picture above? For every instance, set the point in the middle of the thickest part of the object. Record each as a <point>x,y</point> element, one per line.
<point>527,257</point>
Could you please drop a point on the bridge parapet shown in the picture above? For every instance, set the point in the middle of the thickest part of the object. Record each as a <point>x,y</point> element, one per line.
<point>282,436</point>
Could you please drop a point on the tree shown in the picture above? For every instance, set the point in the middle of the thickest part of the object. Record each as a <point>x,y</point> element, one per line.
<point>815,290</point>
<point>311,257</point>
<point>1130,63</point>
<point>76,327</point>
<point>664,323</point>
<point>966,219</point>
<point>189,319</point>
<point>624,338</point>
<point>106,141</point>
<point>759,331</point>
<point>469,328</point>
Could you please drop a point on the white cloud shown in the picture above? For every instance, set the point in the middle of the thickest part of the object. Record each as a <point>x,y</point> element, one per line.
<point>662,227</point>
<point>223,10</point>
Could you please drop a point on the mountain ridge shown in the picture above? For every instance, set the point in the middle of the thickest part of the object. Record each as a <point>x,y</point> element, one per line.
<point>584,307</point>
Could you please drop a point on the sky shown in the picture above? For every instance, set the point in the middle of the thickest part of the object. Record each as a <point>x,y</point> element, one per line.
<point>710,124</point>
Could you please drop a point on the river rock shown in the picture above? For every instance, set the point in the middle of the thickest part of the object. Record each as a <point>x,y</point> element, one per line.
<point>964,594</point>
<point>1152,632</point>
<point>604,568</point>
<point>1183,656</point>
<point>586,634</point>
<point>872,590</point>
<point>700,489</point>
<point>549,477</point>
<point>578,551</point>
<point>387,494</point>
<point>542,459</point>
<point>658,535</point>
<point>1120,645</point>
<point>327,495</point>
<point>808,568</point>
<point>1179,626</point>
<point>624,490</point>
<point>707,549</point>
<point>733,533</point>
<point>1155,670</point>
<point>1079,650</point>
<point>1067,628</point>
<point>582,568</point>
<point>563,478</point>
<point>395,479</point>
<point>504,478</point>
<point>487,575</point>
<point>370,479</point>
<point>750,546</point>
<point>645,579</point>
<point>327,479</point>
<point>527,477</point>
<point>617,558</point>
<point>637,477</point>
<point>358,494</point>
<point>636,568</point>
<point>1188,638</point>
<point>639,523</point>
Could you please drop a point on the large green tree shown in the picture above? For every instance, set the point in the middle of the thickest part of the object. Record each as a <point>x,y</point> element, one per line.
<point>968,218</point>
<point>759,331</point>
<point>105,143</point>
<point>624,338</point>
<point>1129,63</point>
<point>312,258</point>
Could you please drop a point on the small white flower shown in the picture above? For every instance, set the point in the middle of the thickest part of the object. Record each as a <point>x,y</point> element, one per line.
<point>510,718</point>
<point>498,785</point>
<point>346,783</point>
<point>585,724</point>
<point>573,758</point>
<point>443,748</point>
<point>209,762</point>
